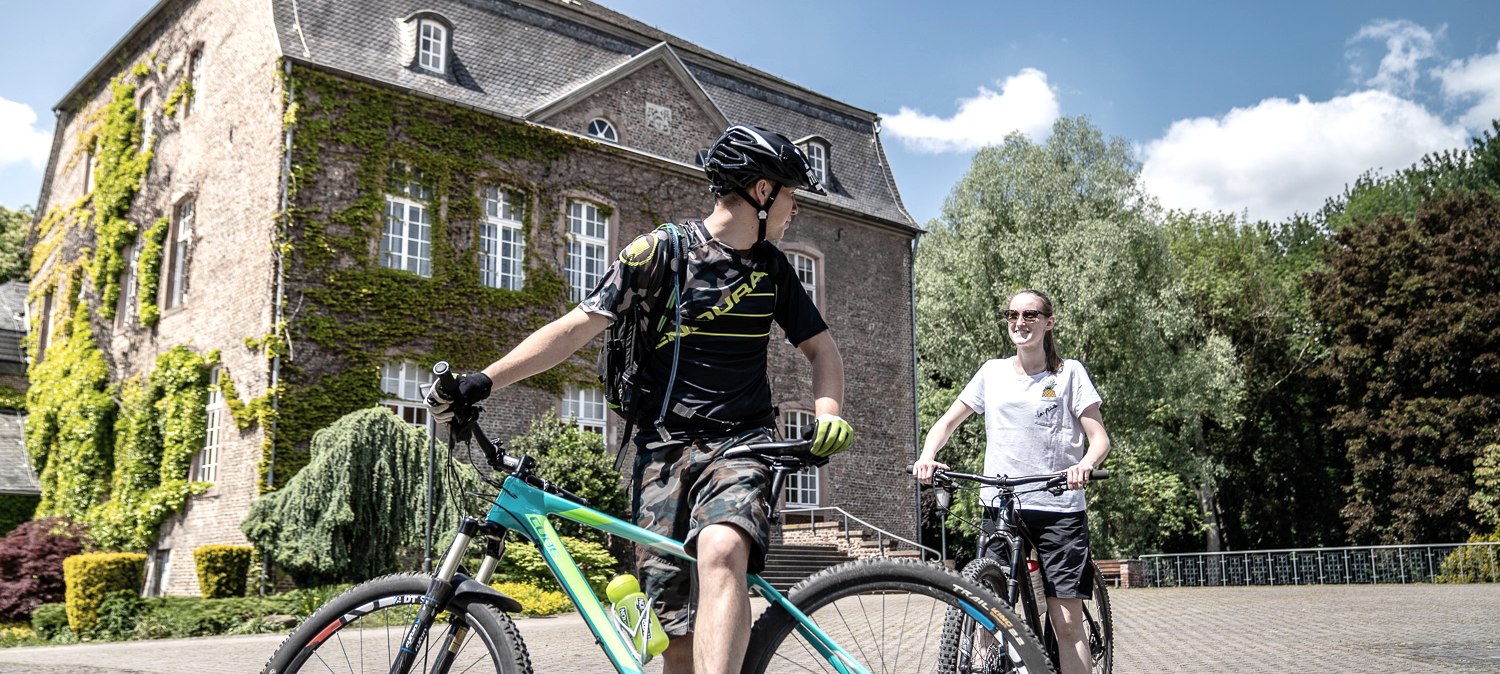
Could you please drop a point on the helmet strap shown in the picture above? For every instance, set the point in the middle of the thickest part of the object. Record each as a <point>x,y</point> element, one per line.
<point>762,210</point>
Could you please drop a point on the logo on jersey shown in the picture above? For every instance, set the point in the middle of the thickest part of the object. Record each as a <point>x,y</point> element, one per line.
<point>640,250</point>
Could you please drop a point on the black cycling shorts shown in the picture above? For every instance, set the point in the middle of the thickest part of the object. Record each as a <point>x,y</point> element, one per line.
<point>1062,544</point>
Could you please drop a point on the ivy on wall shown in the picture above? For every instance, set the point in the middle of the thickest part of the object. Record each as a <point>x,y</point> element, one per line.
<point>120,166</point>
<point>355,315</point>
<point>149,274</point>
<point>70,422</point>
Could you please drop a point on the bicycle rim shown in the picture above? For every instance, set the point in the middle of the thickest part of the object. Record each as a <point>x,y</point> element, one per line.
<point>882,613</point>
<point>974,651</point>
<point>1099,626</point>
<point>362,631</point>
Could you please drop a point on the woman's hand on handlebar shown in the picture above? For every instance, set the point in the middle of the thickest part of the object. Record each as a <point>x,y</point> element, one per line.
<point>924,468</point>
<point>1078,474</point>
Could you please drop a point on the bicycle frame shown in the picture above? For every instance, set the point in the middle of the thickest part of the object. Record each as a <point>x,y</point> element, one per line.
<point>525,509</point>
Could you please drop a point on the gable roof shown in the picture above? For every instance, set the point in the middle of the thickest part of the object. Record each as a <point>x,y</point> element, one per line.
<point>13,305</point>
<point>526,59</point>
<point>661,53</point>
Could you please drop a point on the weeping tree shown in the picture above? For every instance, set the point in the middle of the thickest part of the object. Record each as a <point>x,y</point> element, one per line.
<point>1070,216</point>
<point>357,510</point>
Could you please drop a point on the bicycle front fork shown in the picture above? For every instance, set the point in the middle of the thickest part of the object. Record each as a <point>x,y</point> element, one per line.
<point>440,591</point>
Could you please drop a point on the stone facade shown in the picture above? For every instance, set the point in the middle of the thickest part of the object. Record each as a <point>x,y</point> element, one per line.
<point>226,157</point>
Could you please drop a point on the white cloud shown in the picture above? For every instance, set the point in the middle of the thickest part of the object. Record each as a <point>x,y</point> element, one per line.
<point>1280,157</point>
<point>1025,103</point>
<point>20,140</point>
<point>1406,46</point>
<point>1476,79</point>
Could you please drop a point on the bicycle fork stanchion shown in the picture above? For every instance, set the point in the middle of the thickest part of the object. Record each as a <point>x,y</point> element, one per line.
<point>439,591</point>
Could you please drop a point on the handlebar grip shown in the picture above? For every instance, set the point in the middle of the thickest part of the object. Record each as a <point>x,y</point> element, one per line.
<point>447,385</point>
<point>1099,474</point>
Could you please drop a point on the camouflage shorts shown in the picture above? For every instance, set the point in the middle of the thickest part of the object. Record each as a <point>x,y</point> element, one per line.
<point>682,486</point>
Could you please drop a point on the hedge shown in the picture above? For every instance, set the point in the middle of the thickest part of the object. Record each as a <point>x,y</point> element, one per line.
<point>222,570</point>
<point>91,576</point>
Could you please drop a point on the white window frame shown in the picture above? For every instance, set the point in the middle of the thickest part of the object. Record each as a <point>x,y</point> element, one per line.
<point>195,82</point>
<point>817,158</point>
<point>93,163</point>
<point>178,252</point>
<point>148,119</point>
<point>432,46</point>
<point>406,243</point>
<point>127,313</point>
<point>603,129</point>
<point>502,240</point>
<point>585,408</point>
<point>588,247</point>
<point>208,457</point>
<point>806,268</point>
<point>802,488</point>
<point>402,382</point>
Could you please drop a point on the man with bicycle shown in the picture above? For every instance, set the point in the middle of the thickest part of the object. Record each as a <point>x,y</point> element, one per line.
<point>713,365</point>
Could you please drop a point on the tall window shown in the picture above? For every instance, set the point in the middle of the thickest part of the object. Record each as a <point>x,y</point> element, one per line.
<point>601,128</point>
<point>177,254</point>
<point>817,157</point>
<point>801,486</point>
<point>585,407</point>
<point>501,243</point>
<point>807,272</point>
<point>432,46</point>
<point>148,120</point>
<point>402,383</point>
<point>407,243</point>
<point>44,324</point>
<point>208,459</point>
<point>195,82</point>
<point>588,242</point>
<point>88,171</point>
<point>132,281</point>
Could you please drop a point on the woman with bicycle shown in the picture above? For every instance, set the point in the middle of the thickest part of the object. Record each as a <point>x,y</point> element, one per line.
<point>1041,416</point>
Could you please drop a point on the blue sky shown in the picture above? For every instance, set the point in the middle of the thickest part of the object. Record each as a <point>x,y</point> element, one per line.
<point>1265,108</point>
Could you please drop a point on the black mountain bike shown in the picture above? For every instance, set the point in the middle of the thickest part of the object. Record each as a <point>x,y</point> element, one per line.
<point>1018,580</point>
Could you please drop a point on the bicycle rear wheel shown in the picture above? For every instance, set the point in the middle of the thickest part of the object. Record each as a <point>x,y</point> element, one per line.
<point>974,651</point>
<point>362,630</point>
<point>881,612</point>
<point>1098,625</point>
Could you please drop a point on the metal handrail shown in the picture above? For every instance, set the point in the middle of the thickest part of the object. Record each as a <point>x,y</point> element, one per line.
<point>881,534</point>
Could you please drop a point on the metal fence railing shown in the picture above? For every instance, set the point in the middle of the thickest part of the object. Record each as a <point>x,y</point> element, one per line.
<point>1451,563</point>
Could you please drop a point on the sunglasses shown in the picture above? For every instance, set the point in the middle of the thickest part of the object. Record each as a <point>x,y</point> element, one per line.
<point>1030,315</point>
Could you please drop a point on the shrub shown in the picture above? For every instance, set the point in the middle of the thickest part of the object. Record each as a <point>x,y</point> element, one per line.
<point>1472,563</point>
<point>578,461</point>
<point>524,564</point>
<point>118,615</point>
<point>31,564</point>
<point>50,620</point>
<point>16,509</point>
<point>222,570</point>
<point>89,577</point>
<point>535,601</point>
<point>358,506</point>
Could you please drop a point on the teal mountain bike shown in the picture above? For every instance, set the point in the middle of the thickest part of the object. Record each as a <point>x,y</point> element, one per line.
<point>866,616</point>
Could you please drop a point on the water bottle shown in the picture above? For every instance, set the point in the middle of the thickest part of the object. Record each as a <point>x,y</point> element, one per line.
<point>635,618</point>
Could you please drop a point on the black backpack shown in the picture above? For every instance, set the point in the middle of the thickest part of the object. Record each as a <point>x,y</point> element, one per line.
<point>626,345</point>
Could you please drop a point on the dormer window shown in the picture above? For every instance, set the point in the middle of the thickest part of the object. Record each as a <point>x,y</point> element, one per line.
<point>817,157</point>
<point>432,46</point>
<point>601,128</point>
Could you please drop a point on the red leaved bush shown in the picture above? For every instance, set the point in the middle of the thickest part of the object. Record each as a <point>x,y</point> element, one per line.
<point>31,564</point>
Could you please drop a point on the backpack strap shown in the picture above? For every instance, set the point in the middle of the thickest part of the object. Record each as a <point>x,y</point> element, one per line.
<point>654,318</point>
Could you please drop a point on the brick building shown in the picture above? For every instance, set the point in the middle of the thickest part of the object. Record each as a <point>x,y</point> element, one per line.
<point>353,190</point>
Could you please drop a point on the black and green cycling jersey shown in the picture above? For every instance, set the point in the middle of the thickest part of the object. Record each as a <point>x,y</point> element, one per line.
<point>730,299</point>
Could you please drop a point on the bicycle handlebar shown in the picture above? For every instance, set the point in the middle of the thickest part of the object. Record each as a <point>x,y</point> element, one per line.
<point>1052,479</point>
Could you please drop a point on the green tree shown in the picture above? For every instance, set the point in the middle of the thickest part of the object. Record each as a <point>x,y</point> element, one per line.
<point>1071,217</point>
<point>1410,305</point>
<point>356,511</point>
<point>1244,281</point>
<point>13,227</point>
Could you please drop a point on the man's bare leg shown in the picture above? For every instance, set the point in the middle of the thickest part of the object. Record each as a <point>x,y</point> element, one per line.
<point>678,658</point>
<point>723,623</point>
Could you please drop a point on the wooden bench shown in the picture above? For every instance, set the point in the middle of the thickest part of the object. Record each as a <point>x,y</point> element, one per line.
<point>1122,572</point>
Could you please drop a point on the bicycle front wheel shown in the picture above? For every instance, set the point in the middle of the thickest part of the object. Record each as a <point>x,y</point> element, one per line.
<point>882,613</point>
<point>970,649</point>
<point>361,631</point>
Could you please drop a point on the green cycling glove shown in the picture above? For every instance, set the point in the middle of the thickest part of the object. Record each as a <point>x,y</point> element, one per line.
<point>832,436</point>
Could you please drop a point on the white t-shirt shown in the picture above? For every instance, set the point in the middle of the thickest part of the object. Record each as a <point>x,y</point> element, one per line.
<point>1031,425</point>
